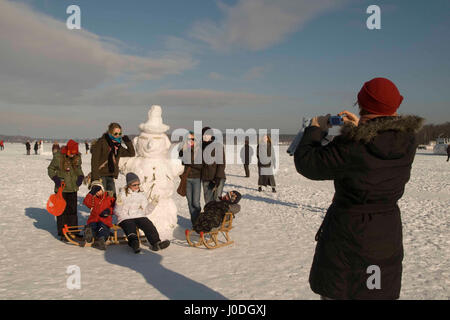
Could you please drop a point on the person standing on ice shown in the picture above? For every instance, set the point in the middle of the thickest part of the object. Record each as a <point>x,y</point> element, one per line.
<point>36,147</point>
<point>55,147</point>
<point>448,152</point>
<point>213,171</point>
<point>246,155</point>
<point>28,147</point>
<point>2,145</point>
<point>131,210</point>
<point>106,154</point>
<point>66,167</point>
<point>266,159</point>
<point>359,248</point>
<point>191,150</point>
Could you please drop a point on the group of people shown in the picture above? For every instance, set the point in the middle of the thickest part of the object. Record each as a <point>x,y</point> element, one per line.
<point>37,146</point>
<point>129,206</point>
<point>203,171</point>
<point>370,163</point>
<point>266,162</point>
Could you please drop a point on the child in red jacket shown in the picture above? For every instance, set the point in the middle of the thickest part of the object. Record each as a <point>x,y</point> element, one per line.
<point>100,219</point>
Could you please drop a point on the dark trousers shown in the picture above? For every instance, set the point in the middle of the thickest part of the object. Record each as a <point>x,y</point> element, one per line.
<point>99,230</point>
<point>70,214</point>
<point>247,170</point>
<point>129,227</point>
<point>448,157</point>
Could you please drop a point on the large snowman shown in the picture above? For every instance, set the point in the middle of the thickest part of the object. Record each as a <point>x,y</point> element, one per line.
<point>156,170</point>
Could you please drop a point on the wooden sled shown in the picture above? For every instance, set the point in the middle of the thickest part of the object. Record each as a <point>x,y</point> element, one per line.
<point>211,239</point>
<point>114,238</point>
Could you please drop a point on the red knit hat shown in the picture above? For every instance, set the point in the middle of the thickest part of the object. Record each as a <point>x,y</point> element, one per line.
<point>380,96</point>
<point>72,147</point>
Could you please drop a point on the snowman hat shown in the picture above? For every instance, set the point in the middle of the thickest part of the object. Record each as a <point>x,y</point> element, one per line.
<point>154,123</point>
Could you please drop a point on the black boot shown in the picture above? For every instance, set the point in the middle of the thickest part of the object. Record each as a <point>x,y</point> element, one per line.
<point>273,190</point>
<point>160,245</point>
<point>259,189</point>
<point>100,243</point>
<point>135,246</point>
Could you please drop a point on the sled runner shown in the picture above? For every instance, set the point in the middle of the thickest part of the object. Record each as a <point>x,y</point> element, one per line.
<point>116,236</point>
<point>211,239</point>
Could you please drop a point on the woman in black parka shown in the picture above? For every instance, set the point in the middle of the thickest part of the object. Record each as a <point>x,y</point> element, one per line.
<point>359,248</point>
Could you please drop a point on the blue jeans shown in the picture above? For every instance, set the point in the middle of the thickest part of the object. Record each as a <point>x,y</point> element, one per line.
<point>109,185</point>
<point>193,189</point>
<point>209,193</point>
<point>99,229</point>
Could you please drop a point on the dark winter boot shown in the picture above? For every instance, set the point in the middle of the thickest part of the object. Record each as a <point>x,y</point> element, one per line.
<point>160,245</point>
<point>134,244</point>
<point>273,190</point>
<point>259,189</point>
<point>100,243</point>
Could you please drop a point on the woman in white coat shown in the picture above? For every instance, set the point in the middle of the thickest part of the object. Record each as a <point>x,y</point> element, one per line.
<point>131,205</point>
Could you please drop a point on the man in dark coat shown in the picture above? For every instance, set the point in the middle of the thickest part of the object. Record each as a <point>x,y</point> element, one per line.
<point>448,152</point>
<point>246,155</point>
<point>28,147</point>
<point>359,248</point>
<point>213,174</point>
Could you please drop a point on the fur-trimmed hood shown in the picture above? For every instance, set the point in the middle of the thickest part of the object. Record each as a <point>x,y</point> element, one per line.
<point>366,132</point>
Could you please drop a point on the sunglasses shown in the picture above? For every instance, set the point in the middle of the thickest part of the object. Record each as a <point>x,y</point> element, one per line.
<point>117,134</point>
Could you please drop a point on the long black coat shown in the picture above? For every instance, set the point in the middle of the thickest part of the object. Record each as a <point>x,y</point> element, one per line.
<point>370,165</point>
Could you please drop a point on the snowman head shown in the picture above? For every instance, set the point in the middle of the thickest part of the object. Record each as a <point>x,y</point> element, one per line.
<point>152,145</point>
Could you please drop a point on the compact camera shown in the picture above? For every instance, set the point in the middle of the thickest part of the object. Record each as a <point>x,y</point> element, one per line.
<point>336,121</point>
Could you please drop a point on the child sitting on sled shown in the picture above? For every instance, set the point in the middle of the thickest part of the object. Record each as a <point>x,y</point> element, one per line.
<point>131,211</point>
<point>214,211</point>
<point>100,219</point>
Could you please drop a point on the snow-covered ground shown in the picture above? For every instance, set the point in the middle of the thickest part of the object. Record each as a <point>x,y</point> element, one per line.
<point>270,259</point>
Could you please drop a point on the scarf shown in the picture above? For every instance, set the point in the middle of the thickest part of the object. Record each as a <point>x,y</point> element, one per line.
<point>114,146</point>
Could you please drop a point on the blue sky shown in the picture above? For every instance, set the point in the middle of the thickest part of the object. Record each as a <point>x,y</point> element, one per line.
<point>232,64</point>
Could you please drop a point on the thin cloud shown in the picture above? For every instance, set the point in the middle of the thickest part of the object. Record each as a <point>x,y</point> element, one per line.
<point>258,24</point>
<point>45,63</point>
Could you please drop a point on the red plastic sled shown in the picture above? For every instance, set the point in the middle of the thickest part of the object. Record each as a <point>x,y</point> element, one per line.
<point>56,203</point>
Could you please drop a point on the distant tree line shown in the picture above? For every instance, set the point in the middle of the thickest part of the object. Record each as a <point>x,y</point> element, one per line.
<point>431,132</point>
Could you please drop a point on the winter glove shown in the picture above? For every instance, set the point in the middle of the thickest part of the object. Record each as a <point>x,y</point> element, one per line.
<point>126,139</point>
<point>79,180</point>
<point>211,184</point>
<point>57,181</point>
<point>105,213</point>
<point>95,189</point>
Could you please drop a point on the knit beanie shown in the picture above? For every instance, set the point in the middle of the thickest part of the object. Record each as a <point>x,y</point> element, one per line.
<point>131,177</point>
<point>380,96</point>
<point>72,147</point>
